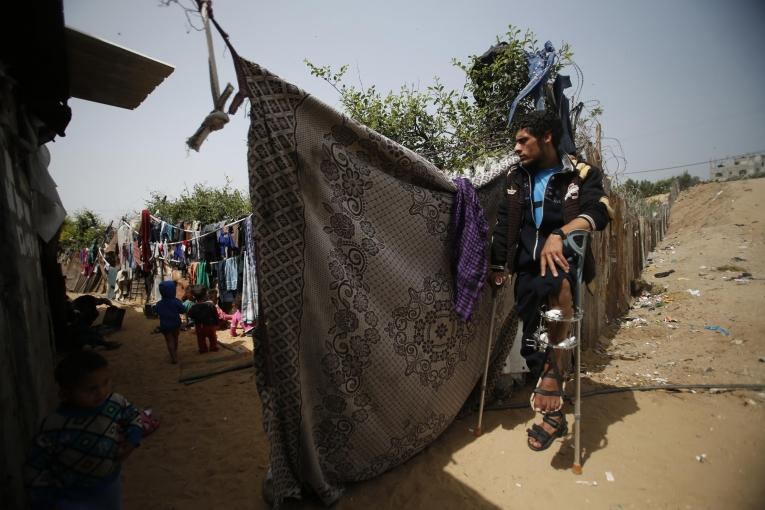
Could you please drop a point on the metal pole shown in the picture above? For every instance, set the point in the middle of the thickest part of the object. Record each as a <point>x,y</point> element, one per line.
<point>478,431</point>
<point>577,467</point>
<point>211,53</point>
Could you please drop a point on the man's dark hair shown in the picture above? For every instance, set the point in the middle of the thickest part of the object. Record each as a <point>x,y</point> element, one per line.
<point>537,123</point>
<point>76,366</point>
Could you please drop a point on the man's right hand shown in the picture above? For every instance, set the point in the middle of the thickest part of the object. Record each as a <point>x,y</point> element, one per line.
<point>497,278</point>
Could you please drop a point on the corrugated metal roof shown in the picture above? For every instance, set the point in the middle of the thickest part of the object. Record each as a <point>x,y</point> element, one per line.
<point>106,73</point>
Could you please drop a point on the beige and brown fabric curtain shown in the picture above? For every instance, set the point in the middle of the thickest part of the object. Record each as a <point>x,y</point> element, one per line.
<point>361,361</point>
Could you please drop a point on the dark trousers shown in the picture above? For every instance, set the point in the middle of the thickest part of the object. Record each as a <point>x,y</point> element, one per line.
<point>532,292</point>
<point>205,333</point>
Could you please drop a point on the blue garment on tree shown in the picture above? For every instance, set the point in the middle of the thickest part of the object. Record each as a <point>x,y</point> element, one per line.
<point>540,64</point>
<point>566,143</point>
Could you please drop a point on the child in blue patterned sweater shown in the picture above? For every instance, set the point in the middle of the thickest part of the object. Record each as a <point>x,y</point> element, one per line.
<point>76,457</point>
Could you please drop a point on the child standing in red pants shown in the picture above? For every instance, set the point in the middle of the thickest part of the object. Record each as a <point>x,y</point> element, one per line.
<point>205,321</point>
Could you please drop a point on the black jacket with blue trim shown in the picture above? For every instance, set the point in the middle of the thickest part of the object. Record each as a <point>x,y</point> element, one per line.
<point>574,192</point>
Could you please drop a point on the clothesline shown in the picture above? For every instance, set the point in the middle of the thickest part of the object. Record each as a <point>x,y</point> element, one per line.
<point>192,231</point>
<point>211,232</point>
<point>159,220</point>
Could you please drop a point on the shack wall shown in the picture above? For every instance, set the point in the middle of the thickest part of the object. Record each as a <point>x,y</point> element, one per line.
<point>26,335</point>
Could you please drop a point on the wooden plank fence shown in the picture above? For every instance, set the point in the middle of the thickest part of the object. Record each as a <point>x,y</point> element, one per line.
<point>621,252</point>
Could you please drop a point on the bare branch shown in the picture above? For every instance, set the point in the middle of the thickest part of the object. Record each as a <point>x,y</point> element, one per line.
<point>193,18</point>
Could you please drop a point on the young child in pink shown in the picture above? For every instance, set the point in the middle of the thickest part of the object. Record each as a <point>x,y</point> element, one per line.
<point>237,321</point>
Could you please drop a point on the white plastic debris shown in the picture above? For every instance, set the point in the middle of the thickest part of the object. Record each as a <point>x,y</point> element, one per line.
<point>585,482</point>
<point>701,458</point>
<point>694,292</point>
<point>609,476</point>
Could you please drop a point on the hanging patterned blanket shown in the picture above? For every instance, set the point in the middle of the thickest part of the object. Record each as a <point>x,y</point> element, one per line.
<point>361,360</point>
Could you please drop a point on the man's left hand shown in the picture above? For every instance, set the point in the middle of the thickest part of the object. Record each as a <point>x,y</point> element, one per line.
<point>552,256</point>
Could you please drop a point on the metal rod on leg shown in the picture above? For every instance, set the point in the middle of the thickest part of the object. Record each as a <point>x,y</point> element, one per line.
<point>478,431</point>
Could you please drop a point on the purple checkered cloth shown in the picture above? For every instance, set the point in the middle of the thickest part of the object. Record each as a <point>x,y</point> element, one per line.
<point>470,229</point>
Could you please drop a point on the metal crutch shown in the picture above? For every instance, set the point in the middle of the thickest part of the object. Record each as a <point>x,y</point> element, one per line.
<point>577,240</point>
<point>477,432</point>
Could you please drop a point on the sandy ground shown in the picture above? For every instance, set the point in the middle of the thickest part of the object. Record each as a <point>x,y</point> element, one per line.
<point>210,451</point>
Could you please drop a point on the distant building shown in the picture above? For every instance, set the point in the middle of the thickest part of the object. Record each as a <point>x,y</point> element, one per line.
<point>739,167</point>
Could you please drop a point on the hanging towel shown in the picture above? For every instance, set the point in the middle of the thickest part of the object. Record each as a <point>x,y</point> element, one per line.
<point>469,229</point>
<point>232,273</point>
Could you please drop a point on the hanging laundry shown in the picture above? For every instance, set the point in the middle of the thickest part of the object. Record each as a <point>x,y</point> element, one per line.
<point>202,277</point>
<point>540,64</point>
<point>249,293</point>
<point>225,244</point>
<point>231,273</point>
<point>221,273</point>
<point>111,281</point>
<point>146,232</point>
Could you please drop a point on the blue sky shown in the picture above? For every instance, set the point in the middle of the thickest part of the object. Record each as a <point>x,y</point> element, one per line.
<point>680,81</point>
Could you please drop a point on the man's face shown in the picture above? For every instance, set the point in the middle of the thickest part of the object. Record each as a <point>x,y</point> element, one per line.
<point>529,148</point>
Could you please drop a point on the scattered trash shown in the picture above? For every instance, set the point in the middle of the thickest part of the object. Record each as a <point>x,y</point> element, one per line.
<point>717,391</point>
<point>762,359</point>
<point>708,369</point>
<point>738,259</point>
<point>717,195</point>
<point>739,224</point>
<point>694,292</point>
<point>732,268</point>
<point>629,356</point>
<point>669,319</point>
<point>609,476</point>
<point>518,485</point>
<point>664,274</point>
<point>585,482</point>
<point>650,301</point>
<point>640,287</point>
<point>635,322</point>
<point>553,315</point>
<point>723,331</point>
<point>750,402</point>
<point>744,277</point>
<point>737,342</point>
<point>701,458</point>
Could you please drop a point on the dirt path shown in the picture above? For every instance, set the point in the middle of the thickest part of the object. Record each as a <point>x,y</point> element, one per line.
<point>210,451</point>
